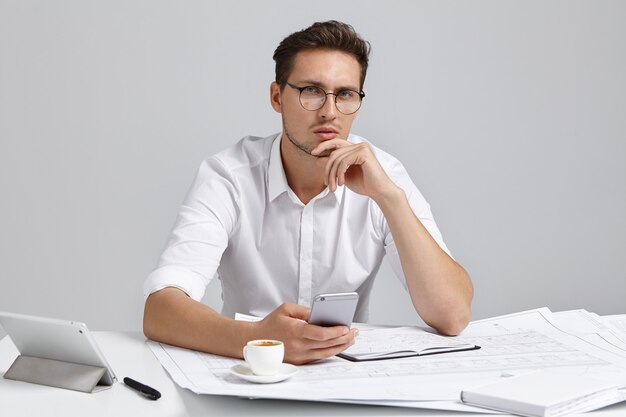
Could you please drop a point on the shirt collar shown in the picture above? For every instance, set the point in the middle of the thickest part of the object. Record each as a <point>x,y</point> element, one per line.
<point>277,181</point>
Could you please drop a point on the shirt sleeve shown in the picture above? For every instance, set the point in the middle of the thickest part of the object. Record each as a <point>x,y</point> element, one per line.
<point>422,211</point>
<point>200,234</point>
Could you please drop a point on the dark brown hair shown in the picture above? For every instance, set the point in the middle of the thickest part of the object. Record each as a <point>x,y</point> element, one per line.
<point>330,35</point>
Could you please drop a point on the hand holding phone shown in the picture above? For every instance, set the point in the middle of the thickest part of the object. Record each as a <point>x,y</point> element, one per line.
<point>334,309</point>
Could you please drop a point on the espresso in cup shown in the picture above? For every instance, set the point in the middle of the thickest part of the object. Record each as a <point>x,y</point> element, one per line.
<point>264,356</point>
<point>267,343</point>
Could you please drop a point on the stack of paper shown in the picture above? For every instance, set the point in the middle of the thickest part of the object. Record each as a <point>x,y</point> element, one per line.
<point>544,394</point>
<point>576,343</point>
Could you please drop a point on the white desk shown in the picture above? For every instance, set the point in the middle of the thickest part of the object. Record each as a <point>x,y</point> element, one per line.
<point>129,356</point>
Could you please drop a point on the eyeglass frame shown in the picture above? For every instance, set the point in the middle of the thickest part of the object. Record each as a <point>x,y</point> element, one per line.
<point>361,95</point>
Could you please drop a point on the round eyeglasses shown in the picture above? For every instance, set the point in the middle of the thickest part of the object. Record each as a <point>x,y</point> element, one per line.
<point>313,98</point>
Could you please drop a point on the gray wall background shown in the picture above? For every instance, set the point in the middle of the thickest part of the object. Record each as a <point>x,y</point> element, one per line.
<point>509,115</point>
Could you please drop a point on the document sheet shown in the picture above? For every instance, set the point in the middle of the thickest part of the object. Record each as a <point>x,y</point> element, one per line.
<point>543,393</point>
<point>390,343</point>
<point>571,343</point>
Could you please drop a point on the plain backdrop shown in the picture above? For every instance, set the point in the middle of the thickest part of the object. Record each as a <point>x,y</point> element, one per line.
<point>510,117</point>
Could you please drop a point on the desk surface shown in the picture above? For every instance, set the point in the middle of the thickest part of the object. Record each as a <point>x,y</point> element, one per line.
<point>129,355</point>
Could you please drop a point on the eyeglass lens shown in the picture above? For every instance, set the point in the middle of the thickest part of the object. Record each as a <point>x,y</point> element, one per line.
<point>313,98</point>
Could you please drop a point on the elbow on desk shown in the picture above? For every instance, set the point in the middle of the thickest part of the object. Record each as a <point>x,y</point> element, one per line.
<point>454,314</point>
<point>151,325</point>
<point>149,329</point>
<point>453,328</point>
<point>452,324</point>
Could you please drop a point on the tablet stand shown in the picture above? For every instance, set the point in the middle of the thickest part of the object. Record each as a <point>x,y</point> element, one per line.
<point>55,373</point>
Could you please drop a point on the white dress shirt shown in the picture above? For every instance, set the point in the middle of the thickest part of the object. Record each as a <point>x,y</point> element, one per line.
<point>242,222</point>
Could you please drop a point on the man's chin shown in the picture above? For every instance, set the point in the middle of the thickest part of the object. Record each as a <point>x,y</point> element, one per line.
<point>324,154</point>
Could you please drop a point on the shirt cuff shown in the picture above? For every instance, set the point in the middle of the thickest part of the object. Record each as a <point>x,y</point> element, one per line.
<point>188,281</point>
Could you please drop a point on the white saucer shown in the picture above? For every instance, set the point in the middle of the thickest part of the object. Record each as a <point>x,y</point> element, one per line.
<point>243,371</point>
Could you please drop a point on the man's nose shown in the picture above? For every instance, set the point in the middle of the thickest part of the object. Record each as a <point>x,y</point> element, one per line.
<point>329,109</point>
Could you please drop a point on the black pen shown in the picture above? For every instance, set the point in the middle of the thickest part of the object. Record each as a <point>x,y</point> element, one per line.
<point>144,390</point>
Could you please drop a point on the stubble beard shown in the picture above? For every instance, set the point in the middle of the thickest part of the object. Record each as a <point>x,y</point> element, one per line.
<point>305,148</point>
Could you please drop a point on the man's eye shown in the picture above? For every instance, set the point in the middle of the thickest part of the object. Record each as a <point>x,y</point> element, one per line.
<point>346,94</point>
<point>310,90</point>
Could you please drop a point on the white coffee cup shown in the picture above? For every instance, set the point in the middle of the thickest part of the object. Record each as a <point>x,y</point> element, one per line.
<point>264,356</point>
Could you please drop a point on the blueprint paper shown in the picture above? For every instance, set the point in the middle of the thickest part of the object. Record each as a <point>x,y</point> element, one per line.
<point>511,344</point>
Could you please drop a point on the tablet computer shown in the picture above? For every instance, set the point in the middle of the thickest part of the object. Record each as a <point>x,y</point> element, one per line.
<point>61,340</point>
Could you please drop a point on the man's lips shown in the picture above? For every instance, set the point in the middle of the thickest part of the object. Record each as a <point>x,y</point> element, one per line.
<point>326,133</point>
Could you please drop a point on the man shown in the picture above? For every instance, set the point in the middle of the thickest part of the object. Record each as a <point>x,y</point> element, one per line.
<point>311,210</point>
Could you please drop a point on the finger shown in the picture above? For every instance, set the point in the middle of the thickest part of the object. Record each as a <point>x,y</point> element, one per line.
<point>343,169</point>
<point>339,164</point>
<point>330,170</point>
<point>301,358</point>
<point>309,351</point>
<point>321,333</point>
<point>328,352</point>
<point>324,148</point>
<point>338,341</point>
<point>295,310</point>
<point>346,338</point>
<point>338,152</point>
<point>337,170</point>
<point>330,145</point>
<point>339,147</point>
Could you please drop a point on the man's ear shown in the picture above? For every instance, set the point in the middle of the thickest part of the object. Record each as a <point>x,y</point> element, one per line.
<point>275,98</point>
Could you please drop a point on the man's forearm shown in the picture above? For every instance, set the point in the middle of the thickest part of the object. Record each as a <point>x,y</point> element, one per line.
<point>440,288</point>
<point>172,317</point>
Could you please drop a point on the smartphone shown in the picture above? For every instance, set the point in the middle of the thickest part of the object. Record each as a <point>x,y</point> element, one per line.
<point>334,309</point>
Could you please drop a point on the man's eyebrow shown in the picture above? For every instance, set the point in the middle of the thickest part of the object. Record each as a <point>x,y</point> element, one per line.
<point>321,85</point>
